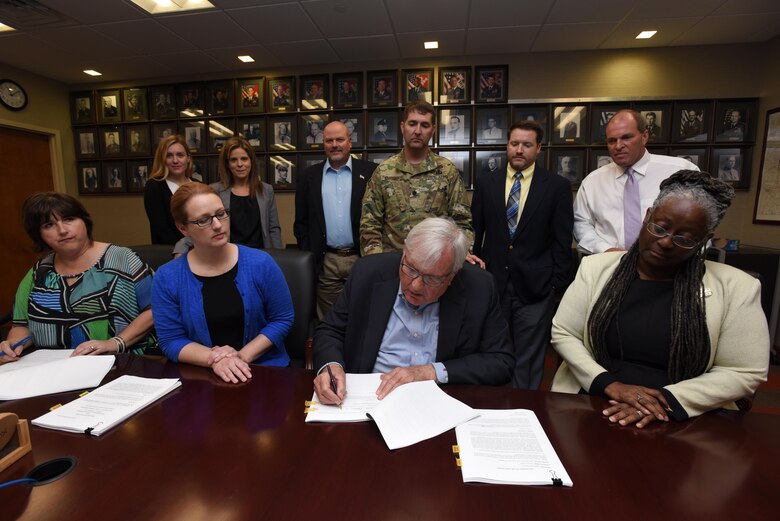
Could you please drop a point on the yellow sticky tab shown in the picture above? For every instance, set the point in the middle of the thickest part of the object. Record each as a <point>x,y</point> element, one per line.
<point>307,403</point>
<point>55,407</point>
<point>458,462</point>
<point>455,449</point>
<point>84,394</point>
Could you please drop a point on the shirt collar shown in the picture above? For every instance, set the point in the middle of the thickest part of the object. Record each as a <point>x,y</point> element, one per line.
<point>527,173</point>
<point>328,168</point>
<point>640,167</point>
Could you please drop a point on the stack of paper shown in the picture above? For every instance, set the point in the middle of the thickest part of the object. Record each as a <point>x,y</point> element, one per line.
<point>108,405</point>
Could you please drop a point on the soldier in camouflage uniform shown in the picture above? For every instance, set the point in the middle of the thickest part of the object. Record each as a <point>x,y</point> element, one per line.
<point>410,186</point>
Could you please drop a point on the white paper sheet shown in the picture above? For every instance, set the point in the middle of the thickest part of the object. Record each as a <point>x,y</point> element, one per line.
<point>108,405</point>
<point>48,373</point>
<point>508,447</point>
<point>360,399</point>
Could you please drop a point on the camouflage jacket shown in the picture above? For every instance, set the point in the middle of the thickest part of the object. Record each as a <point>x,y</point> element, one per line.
<point>400,195</point>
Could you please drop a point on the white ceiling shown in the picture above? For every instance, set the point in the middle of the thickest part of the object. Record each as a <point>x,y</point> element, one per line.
<point>58,39</point>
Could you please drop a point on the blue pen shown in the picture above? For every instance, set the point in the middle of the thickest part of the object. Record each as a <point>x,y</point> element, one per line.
<point>19,343</point>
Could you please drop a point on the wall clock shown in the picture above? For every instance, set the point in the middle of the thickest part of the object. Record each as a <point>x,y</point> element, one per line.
<point>12,95</point>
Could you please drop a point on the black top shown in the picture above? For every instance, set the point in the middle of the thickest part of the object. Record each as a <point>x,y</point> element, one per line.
<point>157,203</point>
<point>224,309</point>
<point>245,225</point>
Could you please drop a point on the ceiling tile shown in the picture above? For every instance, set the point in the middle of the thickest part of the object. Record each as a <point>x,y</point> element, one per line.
<point>96,12</point>
<point>673,9</point>
<point>232,4</point>
<point>139,67</point>
<point>342,18</point>
<point>208,30</point>
<point>366,48</point>
<point>749,6</point>
<point>229,57</point>
<point>84,41</point>
<point>668,31</point>
<point>28,51</point>
<point>410,16</point>
<point>577,11</point>
<point>505,13</point>
<point>191,63</point>
<point>572,36</point>
<point>500,40</point>
<point>145,36</point>
<point>451,43</point>
<point>276,23</point>
<point>738,28</point>
<point>302,53</point>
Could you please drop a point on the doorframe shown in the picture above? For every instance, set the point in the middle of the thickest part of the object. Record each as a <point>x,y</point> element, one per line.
<point>55,149</point>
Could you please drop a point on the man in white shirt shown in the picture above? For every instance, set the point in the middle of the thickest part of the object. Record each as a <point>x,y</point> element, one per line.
<point>598,208</point>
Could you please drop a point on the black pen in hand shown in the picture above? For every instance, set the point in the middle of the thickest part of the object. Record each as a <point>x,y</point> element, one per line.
<point>333,386</point>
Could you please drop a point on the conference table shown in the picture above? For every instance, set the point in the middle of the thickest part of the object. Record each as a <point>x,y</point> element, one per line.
<point>215,451</point>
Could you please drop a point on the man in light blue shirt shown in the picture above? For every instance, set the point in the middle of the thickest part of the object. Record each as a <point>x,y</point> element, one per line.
<point>328,199</point>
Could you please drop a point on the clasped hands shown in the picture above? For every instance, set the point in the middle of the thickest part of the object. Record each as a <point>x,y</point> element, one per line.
<point>635,404</point>
<point>228,365</point>
<point>391,380</point>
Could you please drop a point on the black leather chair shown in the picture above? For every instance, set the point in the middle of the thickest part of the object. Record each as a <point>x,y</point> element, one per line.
<point>155,255</point>
<point>299,270</point>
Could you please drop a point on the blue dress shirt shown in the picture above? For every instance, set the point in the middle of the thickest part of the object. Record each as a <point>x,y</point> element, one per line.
<point>336,201</point>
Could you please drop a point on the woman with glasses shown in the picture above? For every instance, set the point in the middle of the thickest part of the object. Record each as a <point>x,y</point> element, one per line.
<point>221,305</point>
<point>249,200</point>
<point>657,330</point>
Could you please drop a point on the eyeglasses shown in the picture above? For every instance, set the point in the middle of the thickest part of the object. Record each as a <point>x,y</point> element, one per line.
<point>222,215</point>
<point>678,240</point>
<point>429,280</point>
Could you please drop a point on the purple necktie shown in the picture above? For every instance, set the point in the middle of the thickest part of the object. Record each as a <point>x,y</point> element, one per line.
<point>632,211</point>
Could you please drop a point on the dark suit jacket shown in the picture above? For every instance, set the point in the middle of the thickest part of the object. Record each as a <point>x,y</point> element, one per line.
<point>309,226</point>
<point>473,338</point>
<point>538,259</point>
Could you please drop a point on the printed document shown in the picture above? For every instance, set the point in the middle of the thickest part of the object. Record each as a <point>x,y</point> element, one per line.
<point>50,371</point>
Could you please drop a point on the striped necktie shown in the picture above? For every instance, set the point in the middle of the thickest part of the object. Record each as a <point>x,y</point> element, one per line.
<point>632,209</point>
<point>513,205</point>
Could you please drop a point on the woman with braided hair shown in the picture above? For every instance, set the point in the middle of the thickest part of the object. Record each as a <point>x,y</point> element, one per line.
<point>658,330</point>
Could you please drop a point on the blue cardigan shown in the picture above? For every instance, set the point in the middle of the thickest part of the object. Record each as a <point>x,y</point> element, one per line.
<point>177,305</point>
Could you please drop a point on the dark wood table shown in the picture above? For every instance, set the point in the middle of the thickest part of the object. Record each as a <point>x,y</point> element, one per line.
<point>215,451</point>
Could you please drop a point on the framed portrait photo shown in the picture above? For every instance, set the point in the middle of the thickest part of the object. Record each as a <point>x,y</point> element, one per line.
<point>383,88</point>
<point>309,159</point>
<point>538,113</point>
<point>600,116</point>
<point>315,92</point>
<point>418,85</point>
<point>163,102</point>
<point>200,170</point>
<point>658,118</point>
<point>253,130</point>
<point>282,133</point>
<point>462,161</point>
<point>454,126</point>
<point>161,131</point>
<point>110,109</point>
<point>282,172</point>
<point>697,156</point>
<point>691,122</point>
<point>734,121</point>
<point>731,164</point>
<point>137,174</point>
<point>220,130</point>
<point>355,123</point>
<point>114,176</point>
<point>570,124</point>
<point>382,129</point>
<point>249,96</point>
<point>191,100</point>
<point>87,143</point>
<point>597,157</point>
<point>138,140</point>
<point>569,163</point>
<point>767,208</point>
<point>380,157</point>
<point>491,84</point>
<point>111,141</point>
<point>490,162</point>
<point>82,108</point>
<point>454,85</point>
<point>492,125</point>
<point>89,178</point>
<point>219,97</point>
<point>281,94</point>
<point>135,104</point>
<point>194,135</point>
<point>311,127</point>
<point>348,90</point>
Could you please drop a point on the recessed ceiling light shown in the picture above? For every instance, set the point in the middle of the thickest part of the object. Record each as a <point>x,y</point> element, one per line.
<point>92,72</point>
<point>171,6</point>
<point>644,35</point>
<point>431,45</point>
<point>4,28</point>
<point>246,58</point>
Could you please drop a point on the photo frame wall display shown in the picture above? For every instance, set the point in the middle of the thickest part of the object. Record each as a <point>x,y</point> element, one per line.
<point>492,125</point>
<point>315,92</point>
<point>194,135</point>
<point>601,114</point>
<point>220,130</point>
<point>111,141</point>
<point>311,128</point>
<point>89,178</point>
<point>135,104</point>
<point>250,98</point>
<point>283,171</point>
<point>733,120</point>
<point>355,123</point>
<point>253,130</point>
<point>454,126</point>
<point>767,207</point>
<point>82,108</point>
<point>87,143</point>
<point>190,100</point>
<point>538,113</point>
<point>282,133</point>
<point>163,102</point>
<point>491,84</point>
<point>200,169</point>
<point>348,90</point>
<point>281,94</point>
<point>383,88</point>
<point>697,156</point>
<point>597,158</point>
<point>137,174</point>
<point>138,140</point>
<point>161,131</point>
<point>691,122</point>
<point>570,124</point>
<point>462,161</point>
<point>657,118</point>
<point>731,164</point>
<point>489,162</point>
<point>418,85</point>
<point>110,109</point>
<point>569,163</point>
<point>382,128</point>
<point>380,157</point>
<point>454,85</point>
<point>114,176</point>
<point>220,96</point>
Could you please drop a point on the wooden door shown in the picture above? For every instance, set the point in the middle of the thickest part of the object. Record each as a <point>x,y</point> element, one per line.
<point>25,168</point>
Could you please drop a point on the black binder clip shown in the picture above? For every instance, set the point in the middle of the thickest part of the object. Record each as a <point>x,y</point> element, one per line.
<point>556,481</point>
